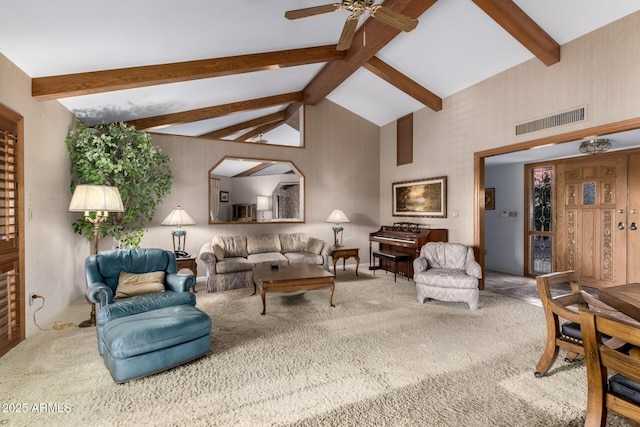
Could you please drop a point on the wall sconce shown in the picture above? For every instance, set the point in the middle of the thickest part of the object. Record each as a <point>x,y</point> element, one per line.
<point>337,217</point>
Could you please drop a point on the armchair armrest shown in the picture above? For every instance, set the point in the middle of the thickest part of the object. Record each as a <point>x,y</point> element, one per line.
<point>474,269</point>
<point>179,282</point>
<point>99,293</point>
<point>420,264</point>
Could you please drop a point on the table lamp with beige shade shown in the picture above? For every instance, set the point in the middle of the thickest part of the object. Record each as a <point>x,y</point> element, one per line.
<point>337,217</point>
<point>179,217</point>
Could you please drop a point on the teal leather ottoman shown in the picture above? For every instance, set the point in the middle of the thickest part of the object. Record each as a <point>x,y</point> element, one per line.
<point>150,342</point>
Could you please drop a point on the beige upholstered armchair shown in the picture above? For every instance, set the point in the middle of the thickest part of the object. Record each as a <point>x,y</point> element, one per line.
<point>447,272</point>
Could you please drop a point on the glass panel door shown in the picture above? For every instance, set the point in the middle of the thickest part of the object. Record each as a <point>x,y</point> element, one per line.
<point>540,190</point>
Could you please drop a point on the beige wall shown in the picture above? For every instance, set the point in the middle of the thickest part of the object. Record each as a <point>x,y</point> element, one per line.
<point>600,71</point>
<point>340,163</point>
<point>349,163</point>
<point>54,255</point>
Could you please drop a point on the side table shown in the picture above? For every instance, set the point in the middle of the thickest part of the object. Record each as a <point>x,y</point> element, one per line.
<point>345,253</point>
<point>190,264</point>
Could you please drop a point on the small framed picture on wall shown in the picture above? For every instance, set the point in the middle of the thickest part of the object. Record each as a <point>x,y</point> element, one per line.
<point>489,199</point>
<point>224,196</point>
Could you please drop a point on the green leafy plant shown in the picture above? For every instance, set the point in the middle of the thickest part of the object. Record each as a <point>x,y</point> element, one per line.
<point>119,155</point>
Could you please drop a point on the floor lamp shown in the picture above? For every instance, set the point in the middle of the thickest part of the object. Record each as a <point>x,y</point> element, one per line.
<point>100,200</point>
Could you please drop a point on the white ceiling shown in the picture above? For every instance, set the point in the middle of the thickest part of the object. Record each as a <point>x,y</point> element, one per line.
<point>455,45</point>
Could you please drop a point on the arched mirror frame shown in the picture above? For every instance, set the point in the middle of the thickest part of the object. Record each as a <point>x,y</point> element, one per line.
<point>295,169</point>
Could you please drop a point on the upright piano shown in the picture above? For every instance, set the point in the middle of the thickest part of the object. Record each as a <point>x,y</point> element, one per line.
<point>403,237</point>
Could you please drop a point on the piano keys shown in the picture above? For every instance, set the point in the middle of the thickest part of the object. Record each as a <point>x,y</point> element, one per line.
<point>402,237</point>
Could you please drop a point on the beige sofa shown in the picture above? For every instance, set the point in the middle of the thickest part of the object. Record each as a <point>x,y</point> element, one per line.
<point>229,260</point>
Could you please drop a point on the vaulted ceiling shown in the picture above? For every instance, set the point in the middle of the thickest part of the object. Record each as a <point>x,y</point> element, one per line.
<point>237,69</point>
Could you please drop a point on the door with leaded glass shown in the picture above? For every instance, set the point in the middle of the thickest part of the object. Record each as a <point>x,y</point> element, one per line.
<point>540,228</point>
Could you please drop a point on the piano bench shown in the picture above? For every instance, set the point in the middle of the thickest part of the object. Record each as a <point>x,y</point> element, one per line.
<point>393,258</point>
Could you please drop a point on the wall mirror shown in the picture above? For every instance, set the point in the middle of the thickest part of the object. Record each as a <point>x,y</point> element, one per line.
<point>265,126</point>
<point>247,190</point>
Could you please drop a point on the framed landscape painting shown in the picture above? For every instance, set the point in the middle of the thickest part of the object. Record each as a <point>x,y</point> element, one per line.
<point>423,197</point>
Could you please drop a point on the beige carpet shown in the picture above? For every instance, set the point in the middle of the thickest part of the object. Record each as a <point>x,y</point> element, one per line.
<point>377,359</point>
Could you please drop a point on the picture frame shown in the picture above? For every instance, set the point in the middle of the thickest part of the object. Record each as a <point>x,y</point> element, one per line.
<point>489,199</point>
<point>420,198</point>
<point>224,196</point>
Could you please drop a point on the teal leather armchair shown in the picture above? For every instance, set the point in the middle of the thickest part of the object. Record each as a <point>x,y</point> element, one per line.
<point>103,269</point>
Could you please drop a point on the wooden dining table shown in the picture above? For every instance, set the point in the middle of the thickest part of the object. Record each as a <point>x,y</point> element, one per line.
<point>624,298</point>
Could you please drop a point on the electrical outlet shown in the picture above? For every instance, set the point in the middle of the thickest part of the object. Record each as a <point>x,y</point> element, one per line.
<point>32,296</point>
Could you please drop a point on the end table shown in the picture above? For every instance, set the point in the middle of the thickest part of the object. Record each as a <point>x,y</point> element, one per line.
<point>345,253</point>
<point>188,263</point>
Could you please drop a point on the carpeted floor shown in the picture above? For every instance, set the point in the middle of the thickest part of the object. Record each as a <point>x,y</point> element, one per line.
<point>379,358</point>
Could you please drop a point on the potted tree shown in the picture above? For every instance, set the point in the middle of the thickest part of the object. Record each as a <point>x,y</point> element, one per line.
<point>120,155</point>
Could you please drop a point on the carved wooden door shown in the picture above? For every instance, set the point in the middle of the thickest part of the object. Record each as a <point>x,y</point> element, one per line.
<point>633,218</point>
<point>592,218</point>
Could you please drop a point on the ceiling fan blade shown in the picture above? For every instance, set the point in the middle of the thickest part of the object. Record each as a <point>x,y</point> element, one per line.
<point>348,32</point>
<point>311,11</point>
<point>397,20</point>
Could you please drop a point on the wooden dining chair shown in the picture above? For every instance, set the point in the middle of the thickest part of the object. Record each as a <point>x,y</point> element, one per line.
<point>565,335</point>
<point>620,392</point>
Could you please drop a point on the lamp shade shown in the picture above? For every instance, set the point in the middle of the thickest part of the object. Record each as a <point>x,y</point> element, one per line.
<point>337,216</point>
<point>263,203</point>
<point>92,198</point>
<point>178,217</point>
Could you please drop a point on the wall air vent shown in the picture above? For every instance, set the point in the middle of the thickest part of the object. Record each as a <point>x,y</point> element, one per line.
<point>559,119</point>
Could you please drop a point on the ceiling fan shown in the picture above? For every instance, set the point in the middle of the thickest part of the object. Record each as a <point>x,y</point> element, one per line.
<point>357,8</point>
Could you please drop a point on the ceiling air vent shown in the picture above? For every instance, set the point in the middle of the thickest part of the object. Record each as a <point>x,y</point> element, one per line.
<point>560,119</point>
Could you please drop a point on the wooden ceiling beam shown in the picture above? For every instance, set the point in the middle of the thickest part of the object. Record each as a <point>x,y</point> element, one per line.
<point>63,86</point>
<point>257,131</point>
<point>521,27</point>
<point>253,170</point>
<point>229,130</point>
<point>378,36</point>
<point>404,83</point>
<point>215,111</point>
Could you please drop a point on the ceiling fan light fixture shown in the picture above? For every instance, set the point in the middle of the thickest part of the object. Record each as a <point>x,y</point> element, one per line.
<point>261,140</point>
<point>358,8</point>
<point>595,146</point>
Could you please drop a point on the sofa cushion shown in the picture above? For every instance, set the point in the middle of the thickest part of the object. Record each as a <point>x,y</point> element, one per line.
<point>314,246</point>
<point>218,252</point>
<point>263,243</point>
<point>232,265</point>
<point>293,242</point>
<point>445,278</point>
<point>268,258</point>
<point>131,284</point>
<point>233,246</point>
<point>304,258</point>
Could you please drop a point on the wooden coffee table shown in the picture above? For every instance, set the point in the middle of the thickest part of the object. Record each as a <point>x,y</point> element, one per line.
<point>288,278</point>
